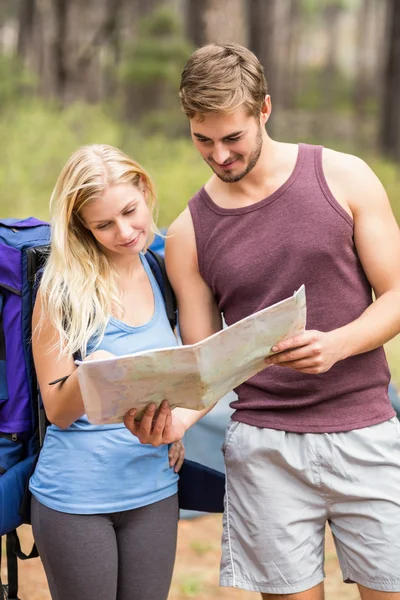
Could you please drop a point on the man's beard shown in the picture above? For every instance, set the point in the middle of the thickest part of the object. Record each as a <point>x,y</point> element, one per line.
<point>255,155</point>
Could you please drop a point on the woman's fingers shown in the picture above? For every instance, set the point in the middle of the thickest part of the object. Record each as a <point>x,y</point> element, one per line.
<point>129,421</point>
<point>158,432</point>
<point>146,423</point>
<point>176,455</point>
<point>180,460</point>
<point>155,426</point>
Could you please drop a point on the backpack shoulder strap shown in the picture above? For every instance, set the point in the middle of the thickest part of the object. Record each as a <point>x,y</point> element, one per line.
<point>157,266</point>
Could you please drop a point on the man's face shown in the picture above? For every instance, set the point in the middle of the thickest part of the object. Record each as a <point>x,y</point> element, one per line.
<point>230,143</point>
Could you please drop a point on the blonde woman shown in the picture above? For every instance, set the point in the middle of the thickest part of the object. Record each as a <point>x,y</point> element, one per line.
<point>104,506</point>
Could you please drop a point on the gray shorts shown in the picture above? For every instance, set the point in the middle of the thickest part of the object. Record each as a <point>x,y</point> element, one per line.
<point>283,487</point>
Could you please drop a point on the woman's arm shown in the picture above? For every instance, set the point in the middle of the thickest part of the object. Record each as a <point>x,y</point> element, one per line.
<point>62,401</point>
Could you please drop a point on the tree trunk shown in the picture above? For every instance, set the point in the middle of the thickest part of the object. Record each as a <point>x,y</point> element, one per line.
<point>60,50</point>
<point>27,11</point>
<point>225,21</point>
<point>263,38</point>
<point>261,15</point>
<point>145,7</point>
<point>83,31</point>
<point>390,115</point>
<point>331,17</point>
<point>291,79</point>
<point>362,83</point>
<point>195,21</point>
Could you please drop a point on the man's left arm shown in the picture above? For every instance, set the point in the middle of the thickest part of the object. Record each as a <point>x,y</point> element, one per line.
<point>377,241</point>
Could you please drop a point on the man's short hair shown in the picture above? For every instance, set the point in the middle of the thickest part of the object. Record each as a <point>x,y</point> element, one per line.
<point>221,78</point>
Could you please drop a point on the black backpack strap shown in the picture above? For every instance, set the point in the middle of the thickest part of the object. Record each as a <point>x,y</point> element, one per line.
<point>15,547</point>
<point>36,261</point>
<point>157,266</point>
<point>13,550</point>
<point>12,568</point>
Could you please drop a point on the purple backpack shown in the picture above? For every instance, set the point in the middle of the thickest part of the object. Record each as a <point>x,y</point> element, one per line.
<point>24,245</point>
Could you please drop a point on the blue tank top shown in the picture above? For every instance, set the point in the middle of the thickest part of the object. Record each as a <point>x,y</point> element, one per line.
<point>88,469</point>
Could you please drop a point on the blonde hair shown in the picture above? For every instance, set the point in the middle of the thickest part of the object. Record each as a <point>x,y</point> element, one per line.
<point>79,288</point>
<point>221,78</point>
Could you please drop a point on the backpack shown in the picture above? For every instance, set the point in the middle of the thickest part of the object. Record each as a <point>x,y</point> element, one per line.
<point>23,245</point>
<point>24,248</point>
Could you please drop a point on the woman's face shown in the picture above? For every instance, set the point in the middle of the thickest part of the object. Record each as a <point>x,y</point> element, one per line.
<point>119,220</point>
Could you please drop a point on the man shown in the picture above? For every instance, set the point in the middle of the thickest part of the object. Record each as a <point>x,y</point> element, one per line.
<point>313,438</point>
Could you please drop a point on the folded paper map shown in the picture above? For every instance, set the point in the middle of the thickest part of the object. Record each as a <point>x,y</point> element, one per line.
<point>193,376</point>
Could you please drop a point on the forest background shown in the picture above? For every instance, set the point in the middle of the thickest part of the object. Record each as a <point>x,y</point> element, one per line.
<point>74,72</point>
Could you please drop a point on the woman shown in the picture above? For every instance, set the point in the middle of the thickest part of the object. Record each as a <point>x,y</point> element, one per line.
<point>104,506</point>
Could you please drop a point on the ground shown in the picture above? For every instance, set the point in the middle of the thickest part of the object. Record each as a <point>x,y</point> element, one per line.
<point>196,568</point>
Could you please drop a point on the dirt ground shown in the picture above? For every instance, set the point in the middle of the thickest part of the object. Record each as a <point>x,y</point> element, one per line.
<point>196,567</point>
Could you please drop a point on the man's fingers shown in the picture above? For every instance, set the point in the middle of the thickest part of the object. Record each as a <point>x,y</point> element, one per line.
<point>306,365</point>
<point>305,352</point>
<point>297,341</point>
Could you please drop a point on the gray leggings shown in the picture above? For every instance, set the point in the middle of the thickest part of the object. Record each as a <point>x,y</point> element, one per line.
<point>121,556</point>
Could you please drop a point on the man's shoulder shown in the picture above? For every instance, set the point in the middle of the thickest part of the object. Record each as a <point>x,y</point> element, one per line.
<point>180,245</point>
<point>180,223</point>
<point>351,177</point>
<point>184,219</point>
<point>343,165</point>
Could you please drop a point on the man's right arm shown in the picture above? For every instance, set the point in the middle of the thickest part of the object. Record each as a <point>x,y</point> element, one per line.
<point>198,313</point>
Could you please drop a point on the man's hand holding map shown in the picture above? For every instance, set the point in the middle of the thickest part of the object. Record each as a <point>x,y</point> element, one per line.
<point>194,376</point>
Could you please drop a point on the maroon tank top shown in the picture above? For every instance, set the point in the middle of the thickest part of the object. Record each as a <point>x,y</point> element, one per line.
<point>254,256</point>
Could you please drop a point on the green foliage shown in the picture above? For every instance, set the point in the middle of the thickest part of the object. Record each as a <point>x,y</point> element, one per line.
<point>150,61</point>
<point>313,97</point>
<point>16,81</point>
<point>310,7</point>
<point>174,165</point>
<point>158,53</point>
<point>161,22</point>
<point>170,123</point>
<point>38,139</point>
<point>151,70</point>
